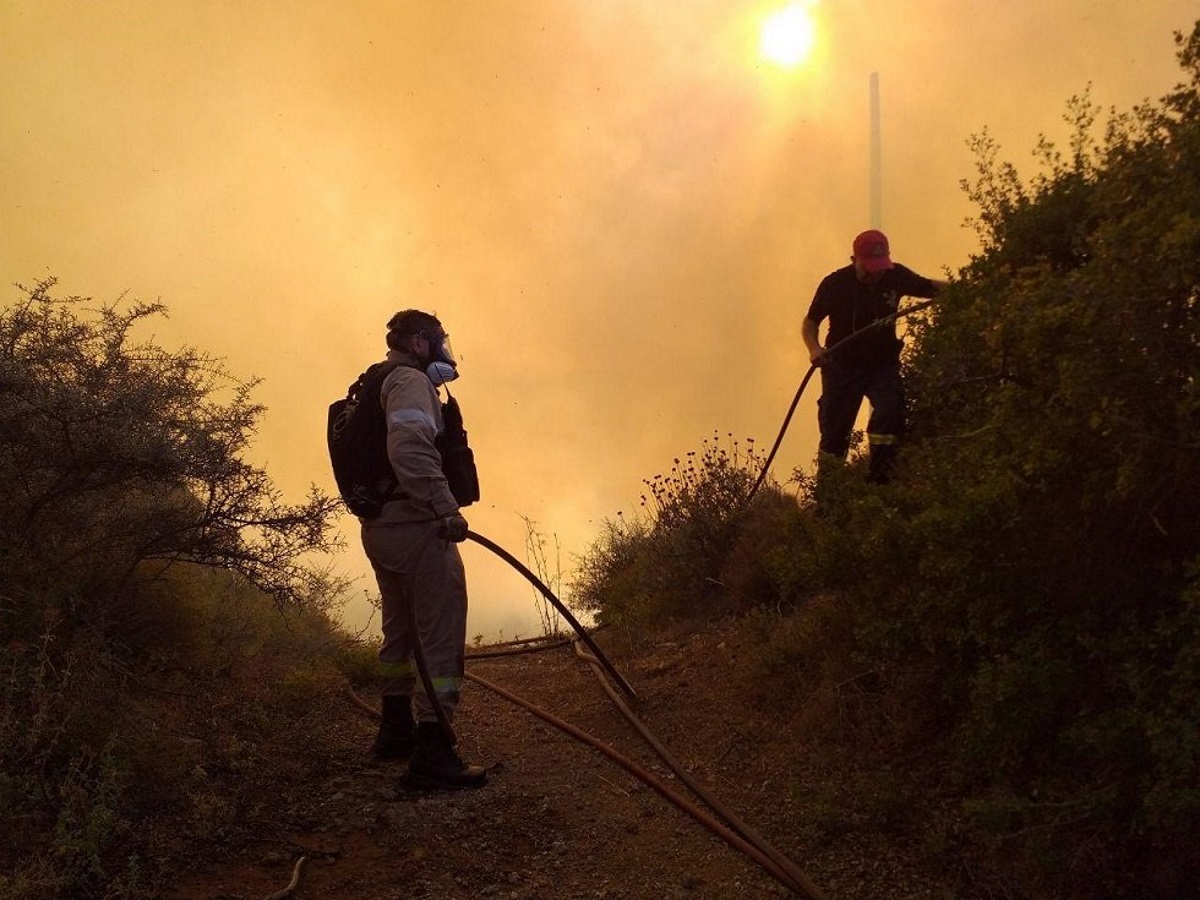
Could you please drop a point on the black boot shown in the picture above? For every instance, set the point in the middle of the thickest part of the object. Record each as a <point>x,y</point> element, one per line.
<point>397,729</point>
<point>435,762</point>
<point>883,459</point>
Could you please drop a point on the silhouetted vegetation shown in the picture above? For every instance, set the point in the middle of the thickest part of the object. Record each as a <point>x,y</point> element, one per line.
<point>1009,634</point>
<point>670,557</point>
<point>1024,603</point>
<point>162,633</point>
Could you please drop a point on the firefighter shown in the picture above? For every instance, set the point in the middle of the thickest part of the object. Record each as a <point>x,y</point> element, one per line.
<point>413,548</point>
<point>866,291</point>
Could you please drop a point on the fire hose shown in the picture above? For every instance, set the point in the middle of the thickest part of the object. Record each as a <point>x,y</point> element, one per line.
<point>732,830</point>
<point>737,834</point>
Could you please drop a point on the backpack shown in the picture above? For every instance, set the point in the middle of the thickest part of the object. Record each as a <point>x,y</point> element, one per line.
<point>356,433</point>
<point>357,437</point>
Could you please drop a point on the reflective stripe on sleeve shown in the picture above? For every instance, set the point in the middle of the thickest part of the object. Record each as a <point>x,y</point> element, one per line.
<point>416,417</point>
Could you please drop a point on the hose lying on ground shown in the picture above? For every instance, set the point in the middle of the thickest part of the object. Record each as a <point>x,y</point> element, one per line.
<point>287,891</point>
<point>731,837</point>
<point>560,606</point>
<point>795,874</point>
<point>739,836</point>
<point>519,648</point>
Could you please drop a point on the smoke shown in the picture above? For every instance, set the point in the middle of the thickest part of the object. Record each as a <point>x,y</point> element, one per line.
<point>616,208</point>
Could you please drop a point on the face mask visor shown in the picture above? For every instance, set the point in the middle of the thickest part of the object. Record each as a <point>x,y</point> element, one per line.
<point>439,347</point>
<point>443,367</point>
<point>441,351</point>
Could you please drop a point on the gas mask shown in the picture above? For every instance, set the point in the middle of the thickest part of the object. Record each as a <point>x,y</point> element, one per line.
<point>442,366</point>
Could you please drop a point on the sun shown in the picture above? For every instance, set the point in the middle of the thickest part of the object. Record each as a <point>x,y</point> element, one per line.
<point>788,35</point>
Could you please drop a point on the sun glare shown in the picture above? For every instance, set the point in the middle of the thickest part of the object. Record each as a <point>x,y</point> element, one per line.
<point>788,35</point>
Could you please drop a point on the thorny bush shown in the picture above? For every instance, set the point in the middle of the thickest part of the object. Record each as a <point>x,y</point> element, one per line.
<point>122,482</point>
<point>669,559</point>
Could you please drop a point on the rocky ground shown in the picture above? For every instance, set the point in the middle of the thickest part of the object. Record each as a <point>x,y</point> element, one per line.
<point>559,819</point>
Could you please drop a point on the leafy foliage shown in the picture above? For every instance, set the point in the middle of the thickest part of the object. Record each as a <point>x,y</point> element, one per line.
<point>142,558</point>
<point>1026,593</point>
<point>1040,554</point>
<point>669,560</point>
<point>118,455</point>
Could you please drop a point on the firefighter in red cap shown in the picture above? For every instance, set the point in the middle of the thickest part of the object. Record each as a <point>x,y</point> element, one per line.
<point>866,291</point>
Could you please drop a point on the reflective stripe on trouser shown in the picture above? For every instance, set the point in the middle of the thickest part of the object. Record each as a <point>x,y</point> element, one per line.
<point>421,579</point>
<point>843,389</point>
<point>883,456</point>
<point>397,677</point>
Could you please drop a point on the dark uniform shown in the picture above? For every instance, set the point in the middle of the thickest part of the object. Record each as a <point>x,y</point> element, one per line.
<point>868,366</point>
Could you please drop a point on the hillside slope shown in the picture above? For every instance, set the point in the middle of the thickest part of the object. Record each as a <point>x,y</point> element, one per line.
<point>560,820</point>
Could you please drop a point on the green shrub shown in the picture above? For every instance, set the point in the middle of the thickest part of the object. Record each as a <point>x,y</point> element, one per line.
<point>91,816</point>
<point>1015,618</point>
<point>358,661</point>
<point>159,618</point>
<point>1039,551</point>
<point>614,578</point>
<point>770,562</point>
<point>669,561</point>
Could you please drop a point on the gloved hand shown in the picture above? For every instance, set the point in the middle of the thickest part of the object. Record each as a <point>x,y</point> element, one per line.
<point>453,528</point>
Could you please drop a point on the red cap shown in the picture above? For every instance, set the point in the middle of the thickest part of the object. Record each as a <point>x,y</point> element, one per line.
<point>871,251</point>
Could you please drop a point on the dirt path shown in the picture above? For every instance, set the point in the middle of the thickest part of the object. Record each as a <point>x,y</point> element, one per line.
<point>558,819</point>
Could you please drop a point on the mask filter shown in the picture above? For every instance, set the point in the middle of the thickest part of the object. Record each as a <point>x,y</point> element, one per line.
<point>441,372</point>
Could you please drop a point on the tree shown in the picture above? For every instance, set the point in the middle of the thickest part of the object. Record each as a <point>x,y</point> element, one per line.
<point>119,459</point>
<point>1044,549</point>
<point>140,553</point>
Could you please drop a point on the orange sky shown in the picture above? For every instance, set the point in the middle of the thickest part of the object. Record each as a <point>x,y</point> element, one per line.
<point>618,209</point>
